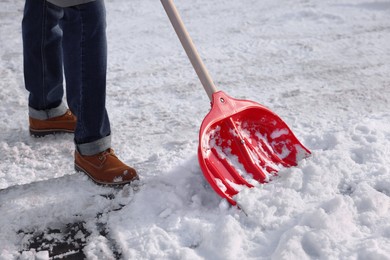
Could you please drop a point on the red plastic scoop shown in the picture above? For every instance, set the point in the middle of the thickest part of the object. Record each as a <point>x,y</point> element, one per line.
<point>240,142</point>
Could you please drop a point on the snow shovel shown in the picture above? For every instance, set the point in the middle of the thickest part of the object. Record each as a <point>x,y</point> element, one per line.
<point>241,142</point>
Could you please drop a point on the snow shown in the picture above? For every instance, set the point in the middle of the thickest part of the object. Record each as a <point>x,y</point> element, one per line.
<point>279,132</point>
<point>322,66</point>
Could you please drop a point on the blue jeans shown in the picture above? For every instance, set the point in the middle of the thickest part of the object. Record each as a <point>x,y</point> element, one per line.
<point>72,42</point>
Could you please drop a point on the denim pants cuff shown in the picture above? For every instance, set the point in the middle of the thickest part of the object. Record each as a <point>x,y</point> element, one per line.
<point>48,113</point>
<point>94,147</point>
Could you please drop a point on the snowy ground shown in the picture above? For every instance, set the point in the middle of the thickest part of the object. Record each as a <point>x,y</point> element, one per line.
<point>323,66</point>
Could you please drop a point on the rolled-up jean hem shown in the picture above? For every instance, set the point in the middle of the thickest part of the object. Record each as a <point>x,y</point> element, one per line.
<point>48,113</point>
<point>94,147</point>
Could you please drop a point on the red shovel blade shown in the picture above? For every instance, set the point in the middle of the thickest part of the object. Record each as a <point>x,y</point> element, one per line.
<point>242,142</point>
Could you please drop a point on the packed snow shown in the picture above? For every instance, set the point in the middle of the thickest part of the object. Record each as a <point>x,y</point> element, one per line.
<point>322,66</point>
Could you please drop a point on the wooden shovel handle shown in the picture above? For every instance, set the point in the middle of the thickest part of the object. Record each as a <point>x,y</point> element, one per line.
<point>189,47</point>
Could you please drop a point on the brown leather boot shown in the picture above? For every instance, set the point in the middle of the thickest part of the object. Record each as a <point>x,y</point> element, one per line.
<point>60,124</point>
<point>105,168</point>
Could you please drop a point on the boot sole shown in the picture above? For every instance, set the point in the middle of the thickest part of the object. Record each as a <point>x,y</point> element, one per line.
<point>42,133</point>
<point>80,169</point>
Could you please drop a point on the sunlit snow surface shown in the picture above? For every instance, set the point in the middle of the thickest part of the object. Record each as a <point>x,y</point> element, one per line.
<point>322,66</point>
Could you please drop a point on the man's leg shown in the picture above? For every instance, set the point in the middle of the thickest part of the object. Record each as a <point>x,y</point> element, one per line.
<point>42,56</point>
<point>85,63</point>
